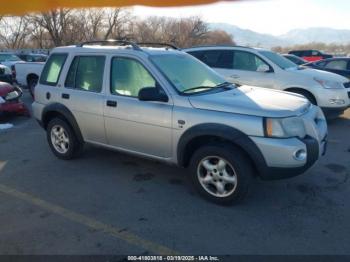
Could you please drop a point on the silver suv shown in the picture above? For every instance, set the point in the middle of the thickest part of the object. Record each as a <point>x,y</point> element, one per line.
<point>163,104</point>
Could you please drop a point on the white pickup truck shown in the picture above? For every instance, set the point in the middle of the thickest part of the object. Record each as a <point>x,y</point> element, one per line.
<point>27,74</point>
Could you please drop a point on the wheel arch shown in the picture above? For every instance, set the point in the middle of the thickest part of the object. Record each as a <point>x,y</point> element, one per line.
<point>301,90</point>
<point>203,134</point>
<point>31,76</point>
<point>58,110</point>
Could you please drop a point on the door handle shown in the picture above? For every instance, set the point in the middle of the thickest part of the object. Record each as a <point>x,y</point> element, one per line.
<point>234,76</point>
<point>65,96</point>
<point>111,103</point>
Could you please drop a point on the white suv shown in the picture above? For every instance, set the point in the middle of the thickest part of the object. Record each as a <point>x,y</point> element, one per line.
<point>263,68</point>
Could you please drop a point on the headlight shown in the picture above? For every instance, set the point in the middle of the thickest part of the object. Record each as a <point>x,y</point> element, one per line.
<point>284,127</point>
<point>12,95</point>
<point>329,84</point>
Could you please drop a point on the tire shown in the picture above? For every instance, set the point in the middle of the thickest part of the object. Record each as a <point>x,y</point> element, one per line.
<point>206,173</point>
<point>67,145</point>
<point>32,82</point>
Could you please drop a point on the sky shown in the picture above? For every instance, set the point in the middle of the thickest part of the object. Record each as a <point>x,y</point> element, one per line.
<point>274,17</point>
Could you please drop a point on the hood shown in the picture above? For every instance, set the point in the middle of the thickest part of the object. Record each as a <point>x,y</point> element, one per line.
<point>319,74</point>
<point>249,100</point>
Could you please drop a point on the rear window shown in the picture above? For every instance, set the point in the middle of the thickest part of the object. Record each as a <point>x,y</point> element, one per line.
<point>52,69</point>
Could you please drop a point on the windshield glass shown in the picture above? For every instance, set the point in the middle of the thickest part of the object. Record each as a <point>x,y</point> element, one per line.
<point>279,60</point>
<point>186,73</point>
<point>9,57</point>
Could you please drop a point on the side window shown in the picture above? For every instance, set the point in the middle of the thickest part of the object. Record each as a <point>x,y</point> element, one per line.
<point>129,76</point>
<point>211,57</point>
<point>86,73</point>
<point>246,61</point>
<point>337,64</point>
<point>215,58</point>
<point>307,53</point>
<point>225,59</point>
<point>70,79</point>
<point>315,53</point>
<point>52,69</point>
<point>197,54</point>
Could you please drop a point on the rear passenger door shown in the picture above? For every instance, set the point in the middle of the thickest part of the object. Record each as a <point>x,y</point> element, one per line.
<point>82,94</point>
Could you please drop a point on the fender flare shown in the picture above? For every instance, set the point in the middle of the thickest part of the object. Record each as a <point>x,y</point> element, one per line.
<point>60,109</point>
<point>220,131</point>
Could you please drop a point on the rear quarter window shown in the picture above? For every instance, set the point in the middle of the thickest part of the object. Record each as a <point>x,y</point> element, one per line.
<point>53,69</point>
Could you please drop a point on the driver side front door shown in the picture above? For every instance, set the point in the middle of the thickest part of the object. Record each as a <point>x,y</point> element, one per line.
<point>133,125</point>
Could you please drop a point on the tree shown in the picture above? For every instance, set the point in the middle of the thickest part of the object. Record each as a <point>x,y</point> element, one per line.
<point>14,31</point>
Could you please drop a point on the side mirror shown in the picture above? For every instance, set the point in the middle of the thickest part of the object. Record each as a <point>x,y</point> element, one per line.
<point>263,68</point>
<point>152,94</point>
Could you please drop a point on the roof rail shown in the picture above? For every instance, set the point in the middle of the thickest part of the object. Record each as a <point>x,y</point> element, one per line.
<point>158,44</point>
<point>111,42</point>
<point>221,45</point>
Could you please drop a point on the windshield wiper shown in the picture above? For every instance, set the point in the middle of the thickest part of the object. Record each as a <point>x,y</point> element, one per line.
<point>221,85</point>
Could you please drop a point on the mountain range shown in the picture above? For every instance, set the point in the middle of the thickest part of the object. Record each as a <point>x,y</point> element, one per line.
<point>293,37</point>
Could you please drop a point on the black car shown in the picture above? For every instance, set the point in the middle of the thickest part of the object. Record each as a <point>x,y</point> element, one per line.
<point>295,59</point>
<point>339,66</point>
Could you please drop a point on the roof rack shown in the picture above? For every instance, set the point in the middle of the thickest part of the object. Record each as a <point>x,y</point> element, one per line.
<point>221,45</point>
<point>158,44</point>
<point>111,42</point>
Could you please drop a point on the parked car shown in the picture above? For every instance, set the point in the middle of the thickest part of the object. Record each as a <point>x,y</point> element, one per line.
<point>259,67</point>
<point>6,74</point>
<point>27,74</point>
<point>310,55</point>
<point>340,66</point>
<point>31,57</point>
<point>10,100</point>
<point>166,105</point>
<point>9,60</point>
<point>295,59</point>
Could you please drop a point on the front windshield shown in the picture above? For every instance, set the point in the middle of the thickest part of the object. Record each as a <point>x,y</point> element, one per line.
<point>9,57</point>
<point>279,60</point>
<point>187,73</point>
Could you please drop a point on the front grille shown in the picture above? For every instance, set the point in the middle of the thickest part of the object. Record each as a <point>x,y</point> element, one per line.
<point>347,85</point>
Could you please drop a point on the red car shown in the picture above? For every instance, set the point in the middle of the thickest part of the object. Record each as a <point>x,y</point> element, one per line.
<point>310,55</point>
<point>10,100</point>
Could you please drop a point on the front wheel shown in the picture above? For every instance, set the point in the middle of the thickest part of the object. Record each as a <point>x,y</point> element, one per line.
<point>221,173</point>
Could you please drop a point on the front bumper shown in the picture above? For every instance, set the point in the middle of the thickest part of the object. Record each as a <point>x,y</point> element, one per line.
<point>333,99</point>
<point>277,159</point>
<point>14,107</point>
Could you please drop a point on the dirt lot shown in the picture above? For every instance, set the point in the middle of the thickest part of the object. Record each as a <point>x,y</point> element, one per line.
<point>109,203</point>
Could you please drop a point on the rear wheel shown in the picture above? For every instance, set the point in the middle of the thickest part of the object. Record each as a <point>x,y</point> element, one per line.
<point>62,139</point>
<point>221,173</point>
